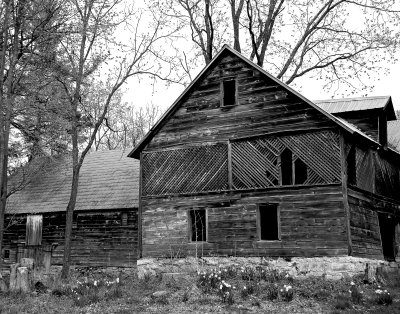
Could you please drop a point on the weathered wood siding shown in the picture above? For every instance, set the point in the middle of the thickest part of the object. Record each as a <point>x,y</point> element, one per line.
<point>312,223</point>
<point>243,164</point>
<point>263,107</point>
<point>376,171</point>
<point>229,160</point>
<point>387,176</point>
<point>107,238</point>
<point>365,232</point>
<point>366,121</point>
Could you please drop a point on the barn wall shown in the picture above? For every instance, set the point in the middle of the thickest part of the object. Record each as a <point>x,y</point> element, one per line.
<point>107,238</point>
<point>365,231</point>
<point>263,107</point>
<point>312,223</point>
<point>366,121</point>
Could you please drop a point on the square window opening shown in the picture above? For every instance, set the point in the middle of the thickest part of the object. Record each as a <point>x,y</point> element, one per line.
<point>198,225</point>
<point>229,93</point>
<point>6,254</point>
<point>268,222</point>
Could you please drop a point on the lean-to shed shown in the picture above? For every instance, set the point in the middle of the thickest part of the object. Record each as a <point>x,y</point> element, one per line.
<point>105,219</point>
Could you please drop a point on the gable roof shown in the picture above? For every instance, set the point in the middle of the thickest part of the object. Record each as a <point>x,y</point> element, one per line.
<point>108,180</point>
<point>135,153</point>
<point>356,104</point>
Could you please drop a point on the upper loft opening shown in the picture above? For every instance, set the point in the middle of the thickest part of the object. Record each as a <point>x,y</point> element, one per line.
<point>228,93</point>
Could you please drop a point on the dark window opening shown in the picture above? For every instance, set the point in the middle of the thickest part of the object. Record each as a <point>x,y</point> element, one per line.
<point>286,167</point>
<point>300,171</point>
<point>229,93</point>
<point>351,166</point>
<point>6,254</point>
<point>387,230</point>
<point>268,222</point>
<point>198,225</point>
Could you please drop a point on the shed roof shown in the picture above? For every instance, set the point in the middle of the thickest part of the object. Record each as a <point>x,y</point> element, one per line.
<point>357,104</point>
<point>108,180</point>
<point>393,128</point>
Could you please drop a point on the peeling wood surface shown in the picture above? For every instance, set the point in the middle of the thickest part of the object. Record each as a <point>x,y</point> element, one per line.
<point>364,225</point>
<point>98,238</point>
<point>260,109</point>
<point>306,230</point>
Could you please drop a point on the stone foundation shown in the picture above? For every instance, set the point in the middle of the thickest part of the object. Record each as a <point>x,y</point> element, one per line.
<point>328,267</point>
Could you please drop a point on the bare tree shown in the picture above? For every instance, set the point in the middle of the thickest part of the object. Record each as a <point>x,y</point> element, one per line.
<point>125,126</point>
<point>88,52</point>
<point>26,26</point>
<point>340,42</point>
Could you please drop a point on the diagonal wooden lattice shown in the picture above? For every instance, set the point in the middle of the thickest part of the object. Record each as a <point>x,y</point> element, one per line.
<point>195,169</point>
<point>364,170</point>
<point>387,177</point>
<point>319,151</point>
<point>256,163</point>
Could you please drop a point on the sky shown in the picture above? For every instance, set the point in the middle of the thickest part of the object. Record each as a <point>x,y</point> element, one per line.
<point>164,96</point>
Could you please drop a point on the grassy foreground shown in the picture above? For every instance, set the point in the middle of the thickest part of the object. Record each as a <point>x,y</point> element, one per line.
<point>220,290</point>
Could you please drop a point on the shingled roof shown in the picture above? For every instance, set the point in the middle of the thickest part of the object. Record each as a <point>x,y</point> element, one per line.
<point>108,180</point>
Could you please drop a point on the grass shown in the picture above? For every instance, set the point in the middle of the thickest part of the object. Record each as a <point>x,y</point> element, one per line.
<point>258,290</point>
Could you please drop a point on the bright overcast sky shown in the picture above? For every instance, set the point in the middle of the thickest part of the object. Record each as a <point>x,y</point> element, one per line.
<point>139,94</point>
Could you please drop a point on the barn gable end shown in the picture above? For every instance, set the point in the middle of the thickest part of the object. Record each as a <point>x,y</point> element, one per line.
<point>243,165</point>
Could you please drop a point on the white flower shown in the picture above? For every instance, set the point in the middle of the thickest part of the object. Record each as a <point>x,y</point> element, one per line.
<point>352,283</point>
<point>117,280</point>
<point>95,282</point>
<point>244,288</point>
<point>220,287</point>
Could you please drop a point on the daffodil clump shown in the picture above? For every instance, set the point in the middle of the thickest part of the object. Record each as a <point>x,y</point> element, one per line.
<point>383,296</point>
<point>91,291</point>
<point>226,292</point>
<point>355,294</point>
<point>287,293</point>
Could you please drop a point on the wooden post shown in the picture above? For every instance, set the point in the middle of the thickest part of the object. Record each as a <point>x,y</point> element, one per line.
<point>230,180</point>
<point>345,191</point>
<point>139,216</point>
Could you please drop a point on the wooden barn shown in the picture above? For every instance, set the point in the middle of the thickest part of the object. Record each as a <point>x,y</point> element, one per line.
<point>243,165</point>
<point>105,219</point>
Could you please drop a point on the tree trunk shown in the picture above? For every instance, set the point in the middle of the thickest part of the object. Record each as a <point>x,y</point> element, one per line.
<point>68,224</point>
<point>74,193</point>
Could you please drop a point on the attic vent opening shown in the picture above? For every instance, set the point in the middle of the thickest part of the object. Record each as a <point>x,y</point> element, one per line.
<point>228,93</point>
